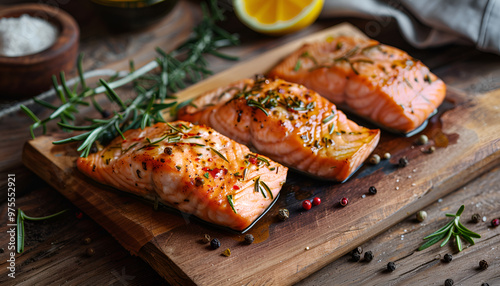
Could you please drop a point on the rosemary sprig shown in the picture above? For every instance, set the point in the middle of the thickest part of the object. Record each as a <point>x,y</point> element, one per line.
<point>453,228</point>
<point>21,217</point>
<point>144,109</point>
<point>231,203</point>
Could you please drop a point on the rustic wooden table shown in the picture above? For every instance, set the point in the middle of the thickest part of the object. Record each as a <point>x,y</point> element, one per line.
<point>57,254</point>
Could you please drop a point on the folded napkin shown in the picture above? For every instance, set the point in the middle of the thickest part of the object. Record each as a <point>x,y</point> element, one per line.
<point>428,23</point>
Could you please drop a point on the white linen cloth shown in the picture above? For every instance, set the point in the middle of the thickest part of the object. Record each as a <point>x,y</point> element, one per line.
<point>428,23</point>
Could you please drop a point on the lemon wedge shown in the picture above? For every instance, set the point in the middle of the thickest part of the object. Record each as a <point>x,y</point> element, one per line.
<point>277,17</point>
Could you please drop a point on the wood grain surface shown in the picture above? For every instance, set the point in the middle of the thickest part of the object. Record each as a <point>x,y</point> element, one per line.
<point>56,255</point>
<point>466,146</point>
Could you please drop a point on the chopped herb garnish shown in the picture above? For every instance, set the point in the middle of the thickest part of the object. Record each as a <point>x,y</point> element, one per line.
<point>219,154</point>
<point>206,175</point>
<point>231,203</point>
<point>267,189</point>
<point>130,147</point>
<point>254,103</point>
<point>297,65</point>
<point>329,118</point>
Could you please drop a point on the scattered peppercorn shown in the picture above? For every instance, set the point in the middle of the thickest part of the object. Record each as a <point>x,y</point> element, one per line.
<point>374,159</point>
<point>316,201</point>
<point>344,202</point>
<point>283,214</point>
<point>391,266</point>
<point>483,265</point>
<point>387,156</point>
<point>87,240</point>
<point>105,113</point>
<point>430,150</point>
<point>168,151</point>
<point>403,162</point>
<point>475,218</point>
<point>495,222</point>
<point>421,216</point>
<point>90,252</point>
<point>422,140</point>
<point>249,238</point>
<point>306,205</point>
<point>372,190</point>
<point>226,252</point>
<point>485,284</point>
<point>357,250</point>
<point>206,238</point>
<point>448,257</point>
<point>355,256</point>
<point>449,282</point>
<point>215,243</point>
<point>368,256</point>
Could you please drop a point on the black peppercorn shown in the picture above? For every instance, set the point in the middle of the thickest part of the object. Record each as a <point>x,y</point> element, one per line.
<point>485,284</point>
<point>447,257</point>
<point>403,162</point>
<point>372,190</point>
<point>475,218</point>
<point>90,252</point>
<point>87,240</point>
<point>283,214</point>
<point>368,256</point>
<point>483,265</point>
<point>357,250</point>
<point>355,256</point>
<point>215,243</point>
<point>199,182</point>
<point>249,238</point>
<point>449,282</point>
<point>391,266</point>
<point>105,113</point>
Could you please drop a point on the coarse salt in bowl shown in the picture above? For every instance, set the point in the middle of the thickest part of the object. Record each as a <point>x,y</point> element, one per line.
<point>45,42</point>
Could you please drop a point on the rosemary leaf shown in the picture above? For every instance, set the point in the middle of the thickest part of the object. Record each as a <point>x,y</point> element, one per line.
<point>231,203</point>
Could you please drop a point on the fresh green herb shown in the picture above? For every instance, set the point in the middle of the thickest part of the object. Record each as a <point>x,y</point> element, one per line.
<point>262,187</point>
<point>297,65</point>
<point>219,154</point>
<point>21,217</point>
<point>329,118</point>
<point>254,103</point>
<point>144,109</point>
<point>453,228</point>
<point>206,175</point>
<point>231,203</point>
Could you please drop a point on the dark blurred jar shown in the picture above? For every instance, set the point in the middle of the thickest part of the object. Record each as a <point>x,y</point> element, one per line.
<point>133,14</point>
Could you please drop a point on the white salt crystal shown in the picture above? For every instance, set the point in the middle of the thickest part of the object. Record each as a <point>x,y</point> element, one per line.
<point>25,35</point>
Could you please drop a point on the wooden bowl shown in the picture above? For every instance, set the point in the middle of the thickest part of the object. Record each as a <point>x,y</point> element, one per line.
<point>29,75</point>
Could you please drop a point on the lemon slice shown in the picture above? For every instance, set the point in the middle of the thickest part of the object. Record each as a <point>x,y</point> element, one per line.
<point>277,17</point>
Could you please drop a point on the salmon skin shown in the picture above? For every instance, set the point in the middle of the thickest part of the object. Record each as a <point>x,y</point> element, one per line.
<point>377,82</point>
<point>191,168</point>
<point>288,123</point>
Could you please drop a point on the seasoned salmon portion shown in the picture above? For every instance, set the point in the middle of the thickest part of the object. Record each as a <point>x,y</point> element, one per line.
<point>192,168</point>
<point>288,123</point>
<point>375,81</point>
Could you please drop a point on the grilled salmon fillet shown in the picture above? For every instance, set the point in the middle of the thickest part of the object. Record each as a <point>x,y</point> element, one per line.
<point>375,81</point>
<point>288,123</point>
<point>191,168</point>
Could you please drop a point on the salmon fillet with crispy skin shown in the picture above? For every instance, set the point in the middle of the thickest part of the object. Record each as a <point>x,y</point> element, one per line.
<point>288,123</point>
<point>191,168</point>
<point>375,81</point>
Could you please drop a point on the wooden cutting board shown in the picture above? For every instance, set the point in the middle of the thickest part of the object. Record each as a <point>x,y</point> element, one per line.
<point>466,129</point>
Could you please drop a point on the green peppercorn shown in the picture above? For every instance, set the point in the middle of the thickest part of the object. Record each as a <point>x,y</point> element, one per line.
<point>391,266</point>
<point>483,265</point>
<point>421,216</point>
<point>430,150</point>
<point>215,243</point>
<point>368,256</point>
<point>476,218</point>
<point>422,140</point>
<point>374,159</point>
<point>387,156</point>
<point>448,257</point>
<point>283,214</point>
<point>249,238</point>
<point>87,240</point>
<point>449,282</point>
